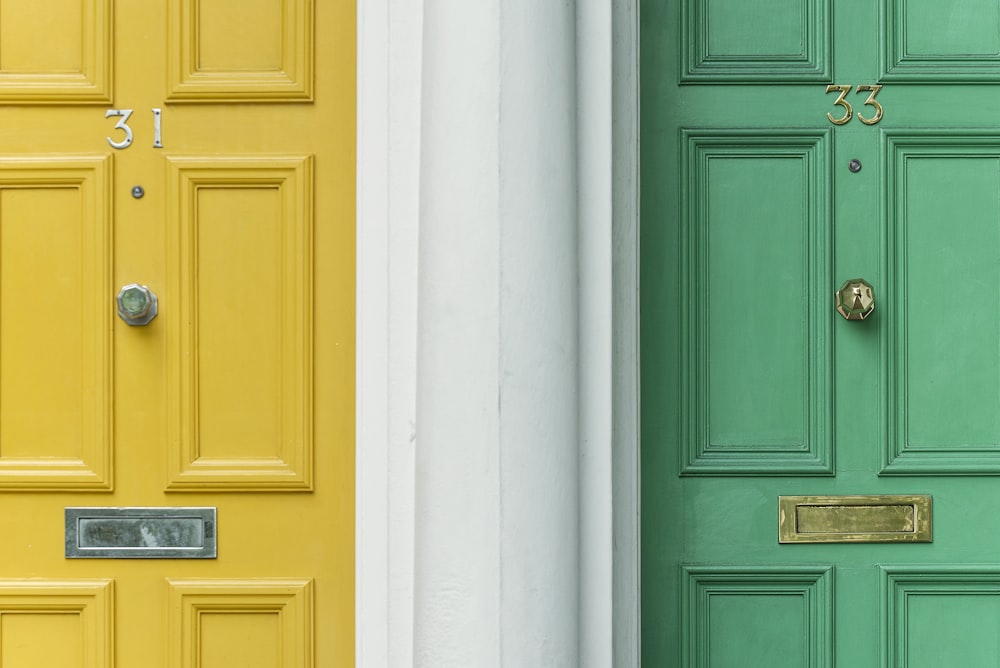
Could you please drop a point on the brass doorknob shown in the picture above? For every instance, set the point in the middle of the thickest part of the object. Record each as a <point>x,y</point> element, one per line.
<point>855,299</point>
<point>137,304</point>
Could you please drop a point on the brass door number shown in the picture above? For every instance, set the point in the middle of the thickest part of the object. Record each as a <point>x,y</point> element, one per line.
<point>841,101</point>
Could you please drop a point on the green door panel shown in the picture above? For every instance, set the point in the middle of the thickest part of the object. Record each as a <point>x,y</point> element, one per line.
<point>756,336</point>
<point>753,387</point>
<point>943,241</point>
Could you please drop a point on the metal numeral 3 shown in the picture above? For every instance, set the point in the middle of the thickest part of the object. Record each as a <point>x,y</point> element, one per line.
<point>841,101</point>
<point>871,101</point>
<point>122,125</point>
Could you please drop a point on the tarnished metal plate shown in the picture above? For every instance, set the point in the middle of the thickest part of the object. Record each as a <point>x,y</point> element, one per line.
<point>141,533</point>
<point>855,519</point>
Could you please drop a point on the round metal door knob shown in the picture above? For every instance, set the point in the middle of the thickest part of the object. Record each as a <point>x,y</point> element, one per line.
<point>136,304</point>
<point>855,299</point>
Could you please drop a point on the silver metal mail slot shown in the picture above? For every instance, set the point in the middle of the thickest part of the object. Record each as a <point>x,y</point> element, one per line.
<point>140,533</point>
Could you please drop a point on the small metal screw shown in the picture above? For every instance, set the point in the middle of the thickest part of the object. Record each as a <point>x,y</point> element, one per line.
<point>854,166</point>
<point>138,192</point>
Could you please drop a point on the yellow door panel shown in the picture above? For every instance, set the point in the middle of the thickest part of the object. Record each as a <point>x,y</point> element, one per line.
<point>233,202</point>
<point>226,50</point>
<point>252,623</point>
<point>55,330</point>
<point>241,416</point>
<point>55,53</point>
<point>56,623</point>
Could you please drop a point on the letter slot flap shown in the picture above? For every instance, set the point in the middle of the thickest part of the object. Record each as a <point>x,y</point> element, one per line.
<point>141,533</point>
<point>855,519</point>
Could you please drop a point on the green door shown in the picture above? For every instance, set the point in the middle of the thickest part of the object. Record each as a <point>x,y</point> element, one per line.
<point>758,203</point>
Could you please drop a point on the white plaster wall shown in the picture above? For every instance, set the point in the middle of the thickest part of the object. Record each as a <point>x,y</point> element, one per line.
<point>501,530</point>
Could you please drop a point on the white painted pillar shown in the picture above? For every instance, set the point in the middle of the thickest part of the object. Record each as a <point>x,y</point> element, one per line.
<point>496,551</point>
<point>388,177</point>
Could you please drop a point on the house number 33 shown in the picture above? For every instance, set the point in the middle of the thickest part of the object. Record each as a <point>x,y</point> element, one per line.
<point>122,124</point>
<point>841,101</point>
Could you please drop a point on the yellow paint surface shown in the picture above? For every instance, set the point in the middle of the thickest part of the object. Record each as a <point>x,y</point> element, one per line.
<point>240,393</point>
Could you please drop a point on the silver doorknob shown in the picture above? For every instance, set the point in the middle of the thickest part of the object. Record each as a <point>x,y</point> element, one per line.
<point>136,304</point>
<point>856,299</point>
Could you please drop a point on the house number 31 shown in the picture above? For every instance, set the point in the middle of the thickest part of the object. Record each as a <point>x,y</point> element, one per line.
<point>841,101</point>
<point>122,124</point>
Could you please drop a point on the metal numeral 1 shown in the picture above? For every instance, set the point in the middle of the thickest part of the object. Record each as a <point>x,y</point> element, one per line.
<point>157,135</point>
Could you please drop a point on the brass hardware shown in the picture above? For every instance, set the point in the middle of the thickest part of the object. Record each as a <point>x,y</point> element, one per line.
<point>840,101</point>
<point>855,299</point>
<point>855,519</point>
<point>874,89</point>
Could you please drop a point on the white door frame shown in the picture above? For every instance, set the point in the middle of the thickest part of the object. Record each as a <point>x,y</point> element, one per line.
<point>390,45</point>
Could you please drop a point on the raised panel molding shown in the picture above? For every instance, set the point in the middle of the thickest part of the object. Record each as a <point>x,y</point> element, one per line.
<point>916,48</point>
<point>217,439</point>
<point>32,71</point>
<point>57,427</point>
<point>225,50</point>
<point>938,615</point>
<point>272,618</point>
<point>925,437</point>
<point>57,622</point>
<point>792,428</point>
<point>790,43</point>
<point>762,615</point>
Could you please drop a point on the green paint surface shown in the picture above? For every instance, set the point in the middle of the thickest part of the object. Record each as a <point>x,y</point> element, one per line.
<point>753,387</point>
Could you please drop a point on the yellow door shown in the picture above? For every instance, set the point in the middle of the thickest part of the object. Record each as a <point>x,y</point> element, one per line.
<point>228,191</point>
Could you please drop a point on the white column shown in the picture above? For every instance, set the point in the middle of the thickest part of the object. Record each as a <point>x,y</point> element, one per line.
<point>496,552</point>
<point>594,147</point>
<point>388,177</point>
<point>624,450</point>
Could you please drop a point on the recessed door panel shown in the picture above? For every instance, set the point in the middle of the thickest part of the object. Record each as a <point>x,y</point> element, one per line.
<point>731,41</point>
<point>943,241</point>
<point>57,623</point>
<point>55,331</point>
<point>766,616</point>
<point>932,41</point>
<point>241,355</point>
<point>241,50</point>
<point>757,250</point>
<point>71,64</point>
<point>254,623</point>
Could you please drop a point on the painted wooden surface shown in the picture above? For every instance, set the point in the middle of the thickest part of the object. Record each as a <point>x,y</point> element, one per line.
<point>240,393</point>
<point>753,387</point>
